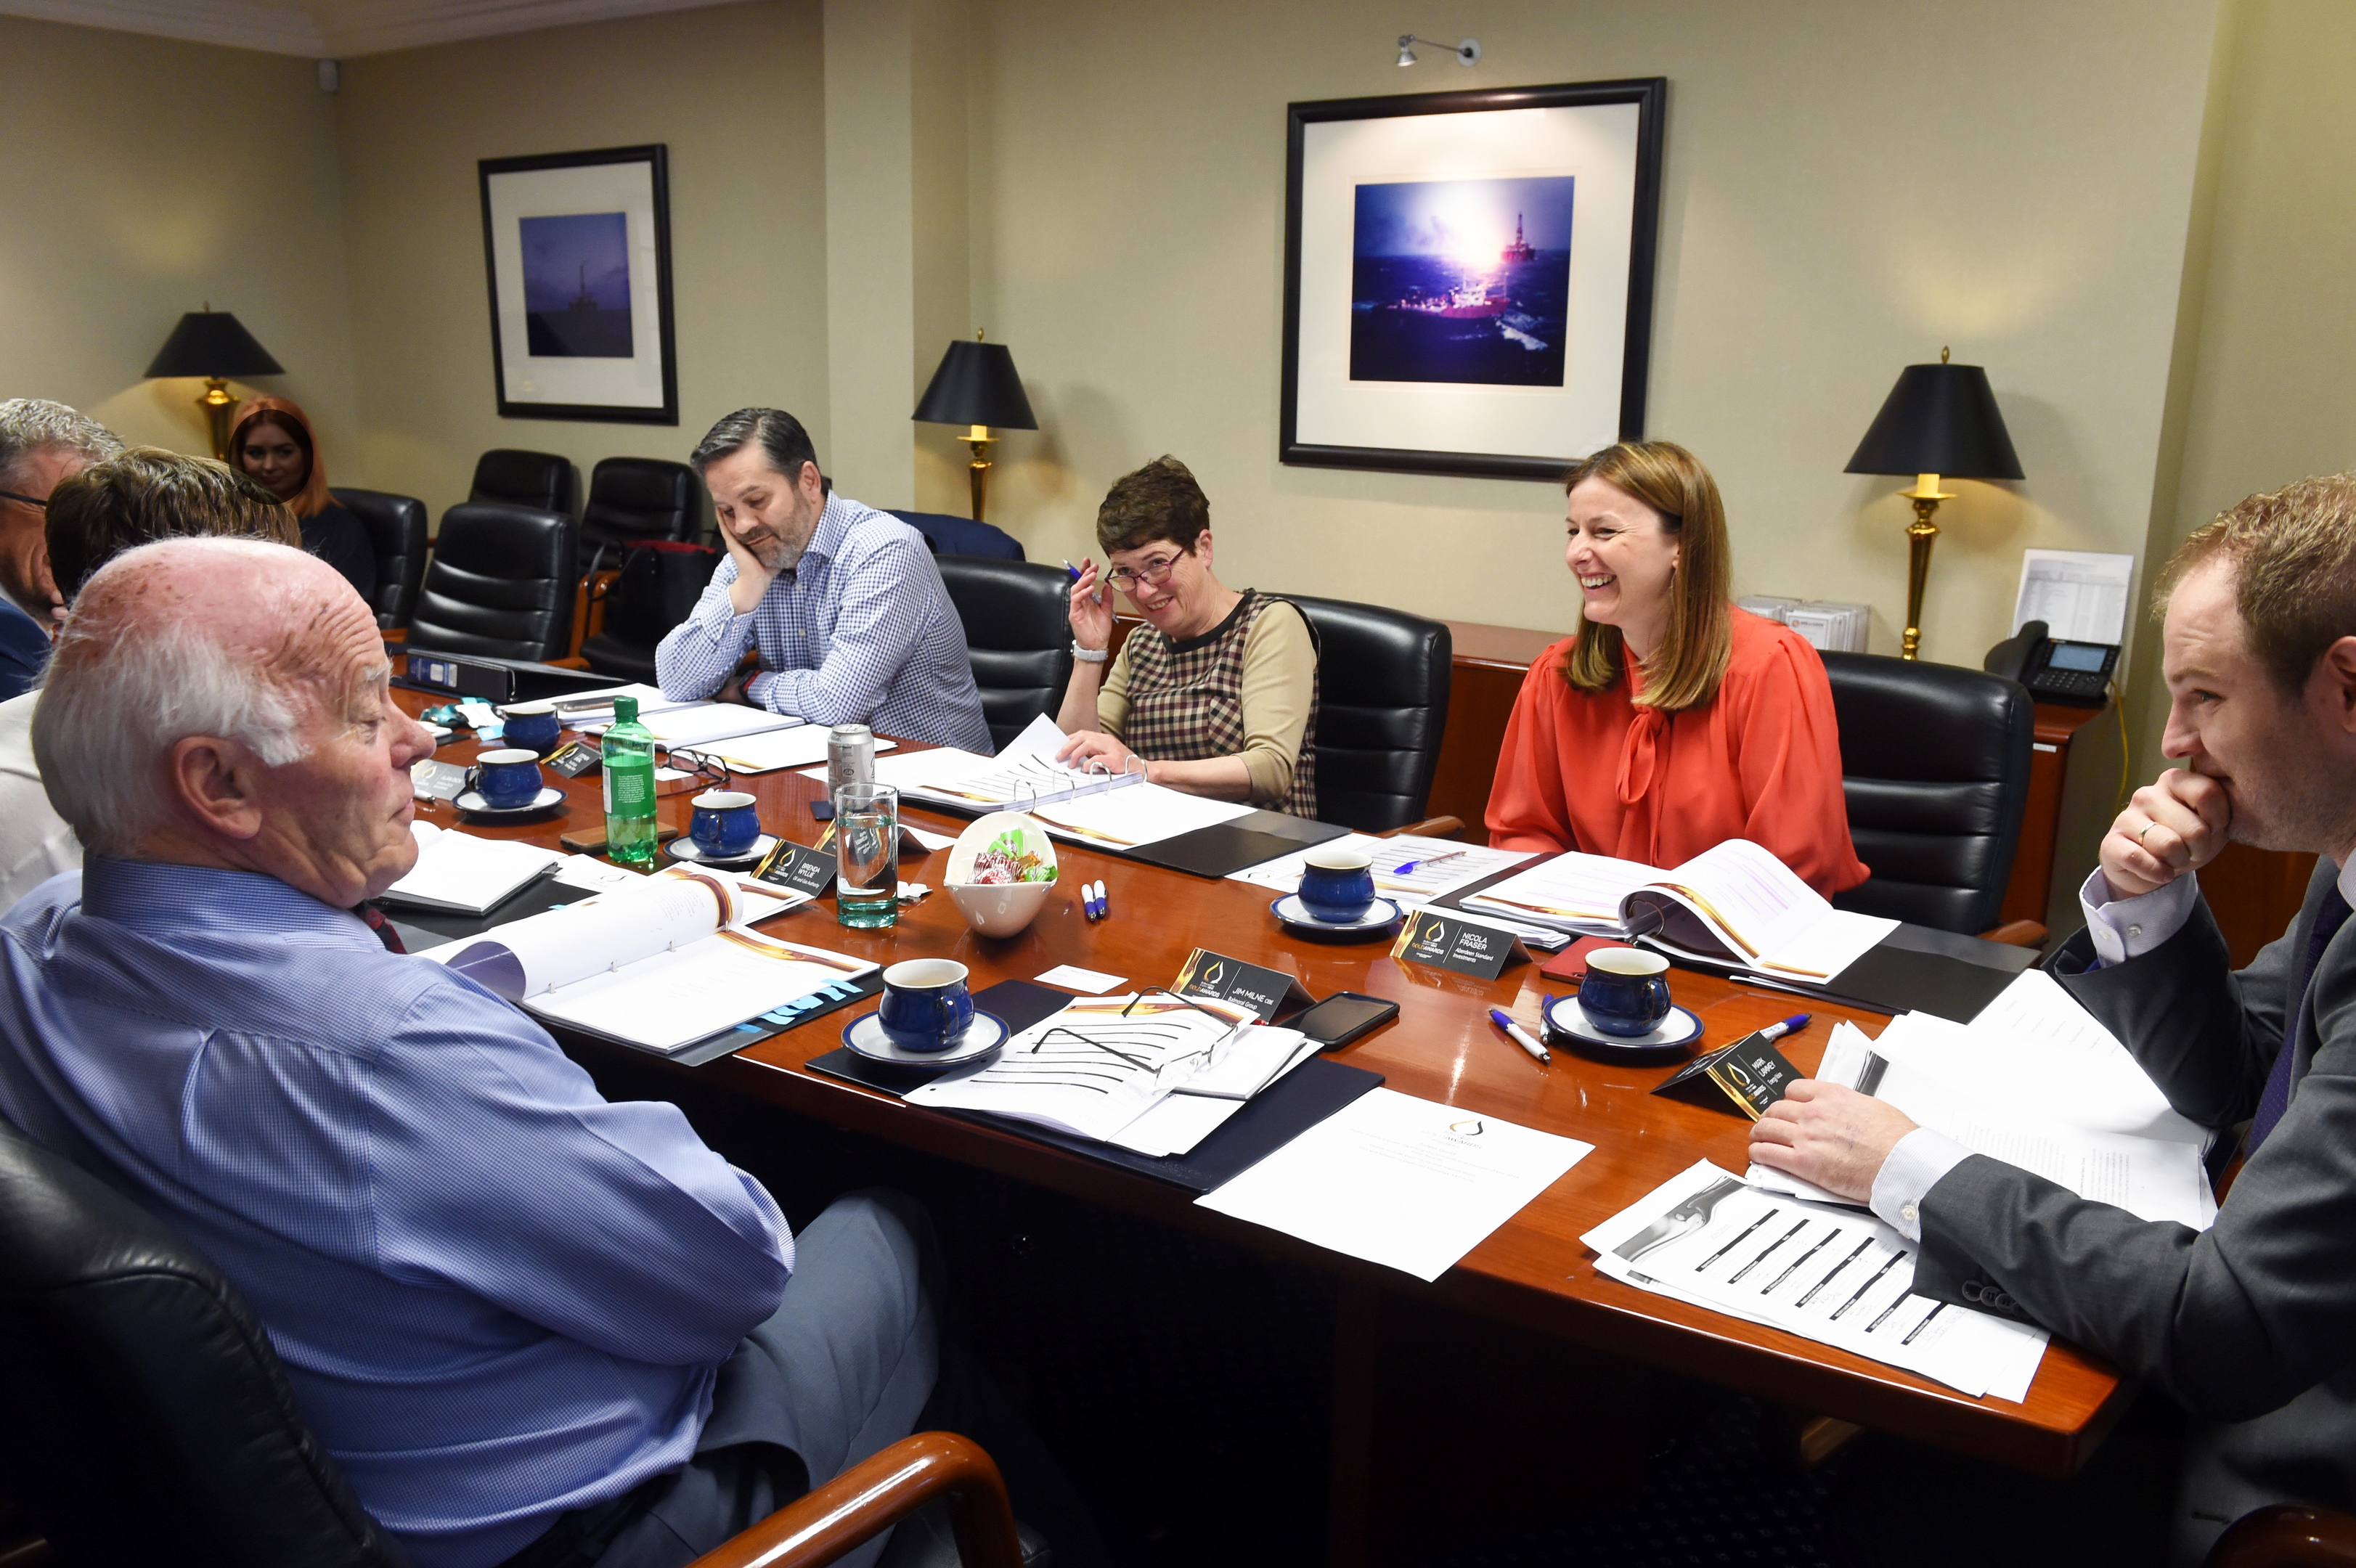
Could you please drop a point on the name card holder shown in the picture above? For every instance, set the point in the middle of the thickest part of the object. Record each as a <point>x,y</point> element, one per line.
<point>799,868</point>
<point>1752,1072</point>
<point>1266,992</point>
<point>1446,940</point>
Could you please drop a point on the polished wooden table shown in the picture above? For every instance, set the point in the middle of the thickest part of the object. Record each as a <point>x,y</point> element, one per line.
<point>1533,1272</point>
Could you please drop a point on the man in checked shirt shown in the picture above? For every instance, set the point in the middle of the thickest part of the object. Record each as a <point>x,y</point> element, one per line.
<point>842,601</point>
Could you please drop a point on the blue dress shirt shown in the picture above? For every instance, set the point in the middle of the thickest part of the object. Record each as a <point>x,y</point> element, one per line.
<point>860,631</point>
<point>25,650</point>
<point>497,1295</point>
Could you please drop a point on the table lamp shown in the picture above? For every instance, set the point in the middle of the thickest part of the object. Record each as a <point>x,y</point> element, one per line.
<point>213,343</point>
<point>977,387</point>
<point>1939,419</point>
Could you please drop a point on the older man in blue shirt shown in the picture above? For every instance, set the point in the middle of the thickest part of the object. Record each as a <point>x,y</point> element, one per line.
<point>842,601</point>
<point>519,1316</point>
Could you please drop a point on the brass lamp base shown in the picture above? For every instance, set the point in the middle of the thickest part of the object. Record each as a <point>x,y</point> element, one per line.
<point>216,404</point>
<point>1921,534</point>
<point>978,471</point>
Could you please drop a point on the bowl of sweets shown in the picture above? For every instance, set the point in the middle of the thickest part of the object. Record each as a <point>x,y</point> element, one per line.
<point>1000,871</point>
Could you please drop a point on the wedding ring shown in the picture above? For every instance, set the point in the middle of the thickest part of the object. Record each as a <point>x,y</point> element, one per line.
<point>2146,827</point>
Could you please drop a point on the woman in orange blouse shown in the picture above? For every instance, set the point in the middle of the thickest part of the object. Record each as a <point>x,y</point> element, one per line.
<point>1672,721</point>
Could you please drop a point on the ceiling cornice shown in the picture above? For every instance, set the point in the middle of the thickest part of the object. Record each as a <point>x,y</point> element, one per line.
<point>335,30</point>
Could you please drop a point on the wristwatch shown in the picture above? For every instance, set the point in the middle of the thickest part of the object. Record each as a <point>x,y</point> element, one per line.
<point>1090,655</point>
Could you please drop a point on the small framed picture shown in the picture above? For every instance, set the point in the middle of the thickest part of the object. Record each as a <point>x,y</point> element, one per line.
<point>1469,277</point>
<point>577,246</point>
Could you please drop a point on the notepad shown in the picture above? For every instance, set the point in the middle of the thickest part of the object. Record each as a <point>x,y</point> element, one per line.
<point>467,874</point>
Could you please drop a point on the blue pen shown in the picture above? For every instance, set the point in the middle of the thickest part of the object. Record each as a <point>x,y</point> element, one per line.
<point>1519,1035</point>
<point>1097,597</point>
<point>1792,1025</point>
<point>1404,866</point>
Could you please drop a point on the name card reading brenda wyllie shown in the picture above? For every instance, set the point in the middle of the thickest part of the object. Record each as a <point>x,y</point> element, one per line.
<point>1752,1072</point>
<point>805,870</point>
<point>1215,974</point>
<point>1449,940</point>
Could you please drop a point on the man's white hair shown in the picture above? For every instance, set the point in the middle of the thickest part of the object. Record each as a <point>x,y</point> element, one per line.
<point>30,425</point>
<point>134,674</point>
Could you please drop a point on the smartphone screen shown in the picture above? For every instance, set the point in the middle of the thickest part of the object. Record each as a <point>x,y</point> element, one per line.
<point>1339,1019</point>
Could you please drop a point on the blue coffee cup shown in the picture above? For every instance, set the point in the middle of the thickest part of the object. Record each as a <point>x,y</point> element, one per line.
<point>507,779</point>
<point>1626,992</point>
<point>925,1005</point>
<point>1337,882</point>
<point>726,823</point>
<point>533,726</point>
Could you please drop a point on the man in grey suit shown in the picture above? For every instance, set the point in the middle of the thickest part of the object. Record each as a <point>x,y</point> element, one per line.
<point>2250,1326</point>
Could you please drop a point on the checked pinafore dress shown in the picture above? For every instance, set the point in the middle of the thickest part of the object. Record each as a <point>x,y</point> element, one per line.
<point>1186,700</point>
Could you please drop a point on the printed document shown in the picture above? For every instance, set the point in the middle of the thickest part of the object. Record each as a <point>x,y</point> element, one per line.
<point>1400,1181</point>
<point>467,873</point>
<point>2081,595</point>
<point>1435,867</point>
<point>1832,1274</point>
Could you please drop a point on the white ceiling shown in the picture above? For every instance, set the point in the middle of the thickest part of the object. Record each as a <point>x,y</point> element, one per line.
<point>333,30</point>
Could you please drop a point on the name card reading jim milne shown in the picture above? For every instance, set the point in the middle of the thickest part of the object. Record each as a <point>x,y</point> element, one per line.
<point>1449,940</point>
<point>1215,974</point>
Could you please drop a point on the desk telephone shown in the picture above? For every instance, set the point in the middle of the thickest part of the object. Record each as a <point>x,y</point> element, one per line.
<point>2055,669</point>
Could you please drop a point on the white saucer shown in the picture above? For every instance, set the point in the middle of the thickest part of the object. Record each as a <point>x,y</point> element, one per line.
<point>864,1035</point>
<point>473,804</point>
<point>1567,1019</point>
<point>683,849</point>
<point>1380,916</point>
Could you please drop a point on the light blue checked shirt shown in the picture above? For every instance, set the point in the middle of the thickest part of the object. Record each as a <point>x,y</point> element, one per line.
<point>497,1295</point>
<point>860,631</point>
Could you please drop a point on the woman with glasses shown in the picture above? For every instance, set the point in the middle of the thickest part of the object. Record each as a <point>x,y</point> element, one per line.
<point>1216,693</point>
<point>1672,721</point>
<point>270,440</point>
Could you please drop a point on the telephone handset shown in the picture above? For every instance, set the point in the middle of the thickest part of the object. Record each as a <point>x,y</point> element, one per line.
<point>2055,669</point>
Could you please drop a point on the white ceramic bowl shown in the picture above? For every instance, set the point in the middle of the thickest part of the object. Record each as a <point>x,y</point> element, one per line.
<point>1001,909</point>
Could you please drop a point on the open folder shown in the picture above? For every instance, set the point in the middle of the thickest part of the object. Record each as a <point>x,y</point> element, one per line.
<point>662,963</point>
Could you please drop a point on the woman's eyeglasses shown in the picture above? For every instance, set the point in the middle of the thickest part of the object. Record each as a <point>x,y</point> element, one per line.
<point>1152,574</point>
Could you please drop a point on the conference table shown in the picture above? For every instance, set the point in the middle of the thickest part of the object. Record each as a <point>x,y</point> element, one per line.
<point>1533,1272</point>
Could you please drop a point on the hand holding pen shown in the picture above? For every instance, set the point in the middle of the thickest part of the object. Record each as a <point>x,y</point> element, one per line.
<point>1091,617</point>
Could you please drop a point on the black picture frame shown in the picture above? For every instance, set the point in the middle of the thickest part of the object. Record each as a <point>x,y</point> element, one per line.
<point>1649,95</point>
<point>589,386</point>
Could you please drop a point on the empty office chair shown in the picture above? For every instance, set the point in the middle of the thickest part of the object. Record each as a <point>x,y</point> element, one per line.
<point>502,582</point>
<point>396,530</point>
<point>540,479</point>
<point>145,1417</point>
<point>634,498</point>
<point>1934,764</point>
<point>1382,704</point>
<point>951,535</point>
<point>659,584</point>
<point>1018,633</point>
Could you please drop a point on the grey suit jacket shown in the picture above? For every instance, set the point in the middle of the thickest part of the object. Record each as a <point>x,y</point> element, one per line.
<point>2251,1325</point>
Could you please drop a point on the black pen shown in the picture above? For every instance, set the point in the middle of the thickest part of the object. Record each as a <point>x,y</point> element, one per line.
<point>1798,1225</point>
<point>1853,1252</point>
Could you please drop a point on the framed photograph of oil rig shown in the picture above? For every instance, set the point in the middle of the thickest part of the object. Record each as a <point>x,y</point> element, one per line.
<point>577,246</point>
<point>1468,284</point>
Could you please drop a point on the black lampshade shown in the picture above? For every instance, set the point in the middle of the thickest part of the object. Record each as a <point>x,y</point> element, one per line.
<point>1939,419</point>
<point>977,385</point>
<point>212,343</point>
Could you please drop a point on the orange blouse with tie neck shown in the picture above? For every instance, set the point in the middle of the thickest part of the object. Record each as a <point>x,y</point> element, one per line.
<point>1595,772</point>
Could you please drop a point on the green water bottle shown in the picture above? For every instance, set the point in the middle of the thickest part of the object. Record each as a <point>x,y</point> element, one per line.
<point>629,754</point>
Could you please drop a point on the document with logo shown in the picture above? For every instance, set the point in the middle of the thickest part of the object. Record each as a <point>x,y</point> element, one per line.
<point>1400,1182</point>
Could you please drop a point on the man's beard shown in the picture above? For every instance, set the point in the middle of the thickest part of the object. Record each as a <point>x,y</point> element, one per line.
<point>769,551</point>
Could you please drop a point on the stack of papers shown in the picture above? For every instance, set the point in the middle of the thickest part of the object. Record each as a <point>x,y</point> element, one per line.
<point>1409,870</point>
<point>1825,1273</point>
<point>1405,1183</point>
<point>594,709</point>
<point>1105,1067</point>
<point>465,873</point>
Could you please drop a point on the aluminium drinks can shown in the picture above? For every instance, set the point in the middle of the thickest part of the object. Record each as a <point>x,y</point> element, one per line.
<point>850,757</point>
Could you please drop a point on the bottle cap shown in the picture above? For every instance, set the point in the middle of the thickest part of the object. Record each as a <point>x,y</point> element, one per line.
<point>625,711</point>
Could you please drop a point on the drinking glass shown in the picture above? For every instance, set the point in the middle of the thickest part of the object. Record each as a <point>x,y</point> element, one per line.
<point>867,850</point>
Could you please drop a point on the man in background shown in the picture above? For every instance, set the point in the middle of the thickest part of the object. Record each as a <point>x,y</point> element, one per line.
<point>41,443</point>
<point>137,498</point>
<point>842,601</point>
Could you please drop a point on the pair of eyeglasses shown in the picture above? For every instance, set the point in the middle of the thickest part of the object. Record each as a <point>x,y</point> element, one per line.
<point>1152,574</point>
<point>708,772</point>
<point>28,500</point>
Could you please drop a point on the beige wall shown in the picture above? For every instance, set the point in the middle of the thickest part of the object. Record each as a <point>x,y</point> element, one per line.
<point>1850,186</point>
<point>143,177</point>
<point>735,91</point>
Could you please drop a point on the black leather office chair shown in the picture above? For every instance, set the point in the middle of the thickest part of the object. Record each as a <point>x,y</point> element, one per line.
<point>145,1417</point>
<point>659,583</point>
<point>1934,763</point>
<point>539,479</point>
<point>502,582</point>
<point>1382,704</point>
<point>634,498</point>
<point>396,530</point>
<point>1018,633</point>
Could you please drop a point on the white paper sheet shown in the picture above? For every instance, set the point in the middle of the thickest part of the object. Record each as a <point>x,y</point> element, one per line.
<point>675,998</point>
<point>2081,595</point>
<point>1571,891</point>
<point>706,723</point>
<point>462,872</point>
<point>1833,1275</point>
<point>650,700</point>
<point>1428,878</point>
<point>769,749</point>
<point>1072,977</point>
<point>1400,1182</point>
